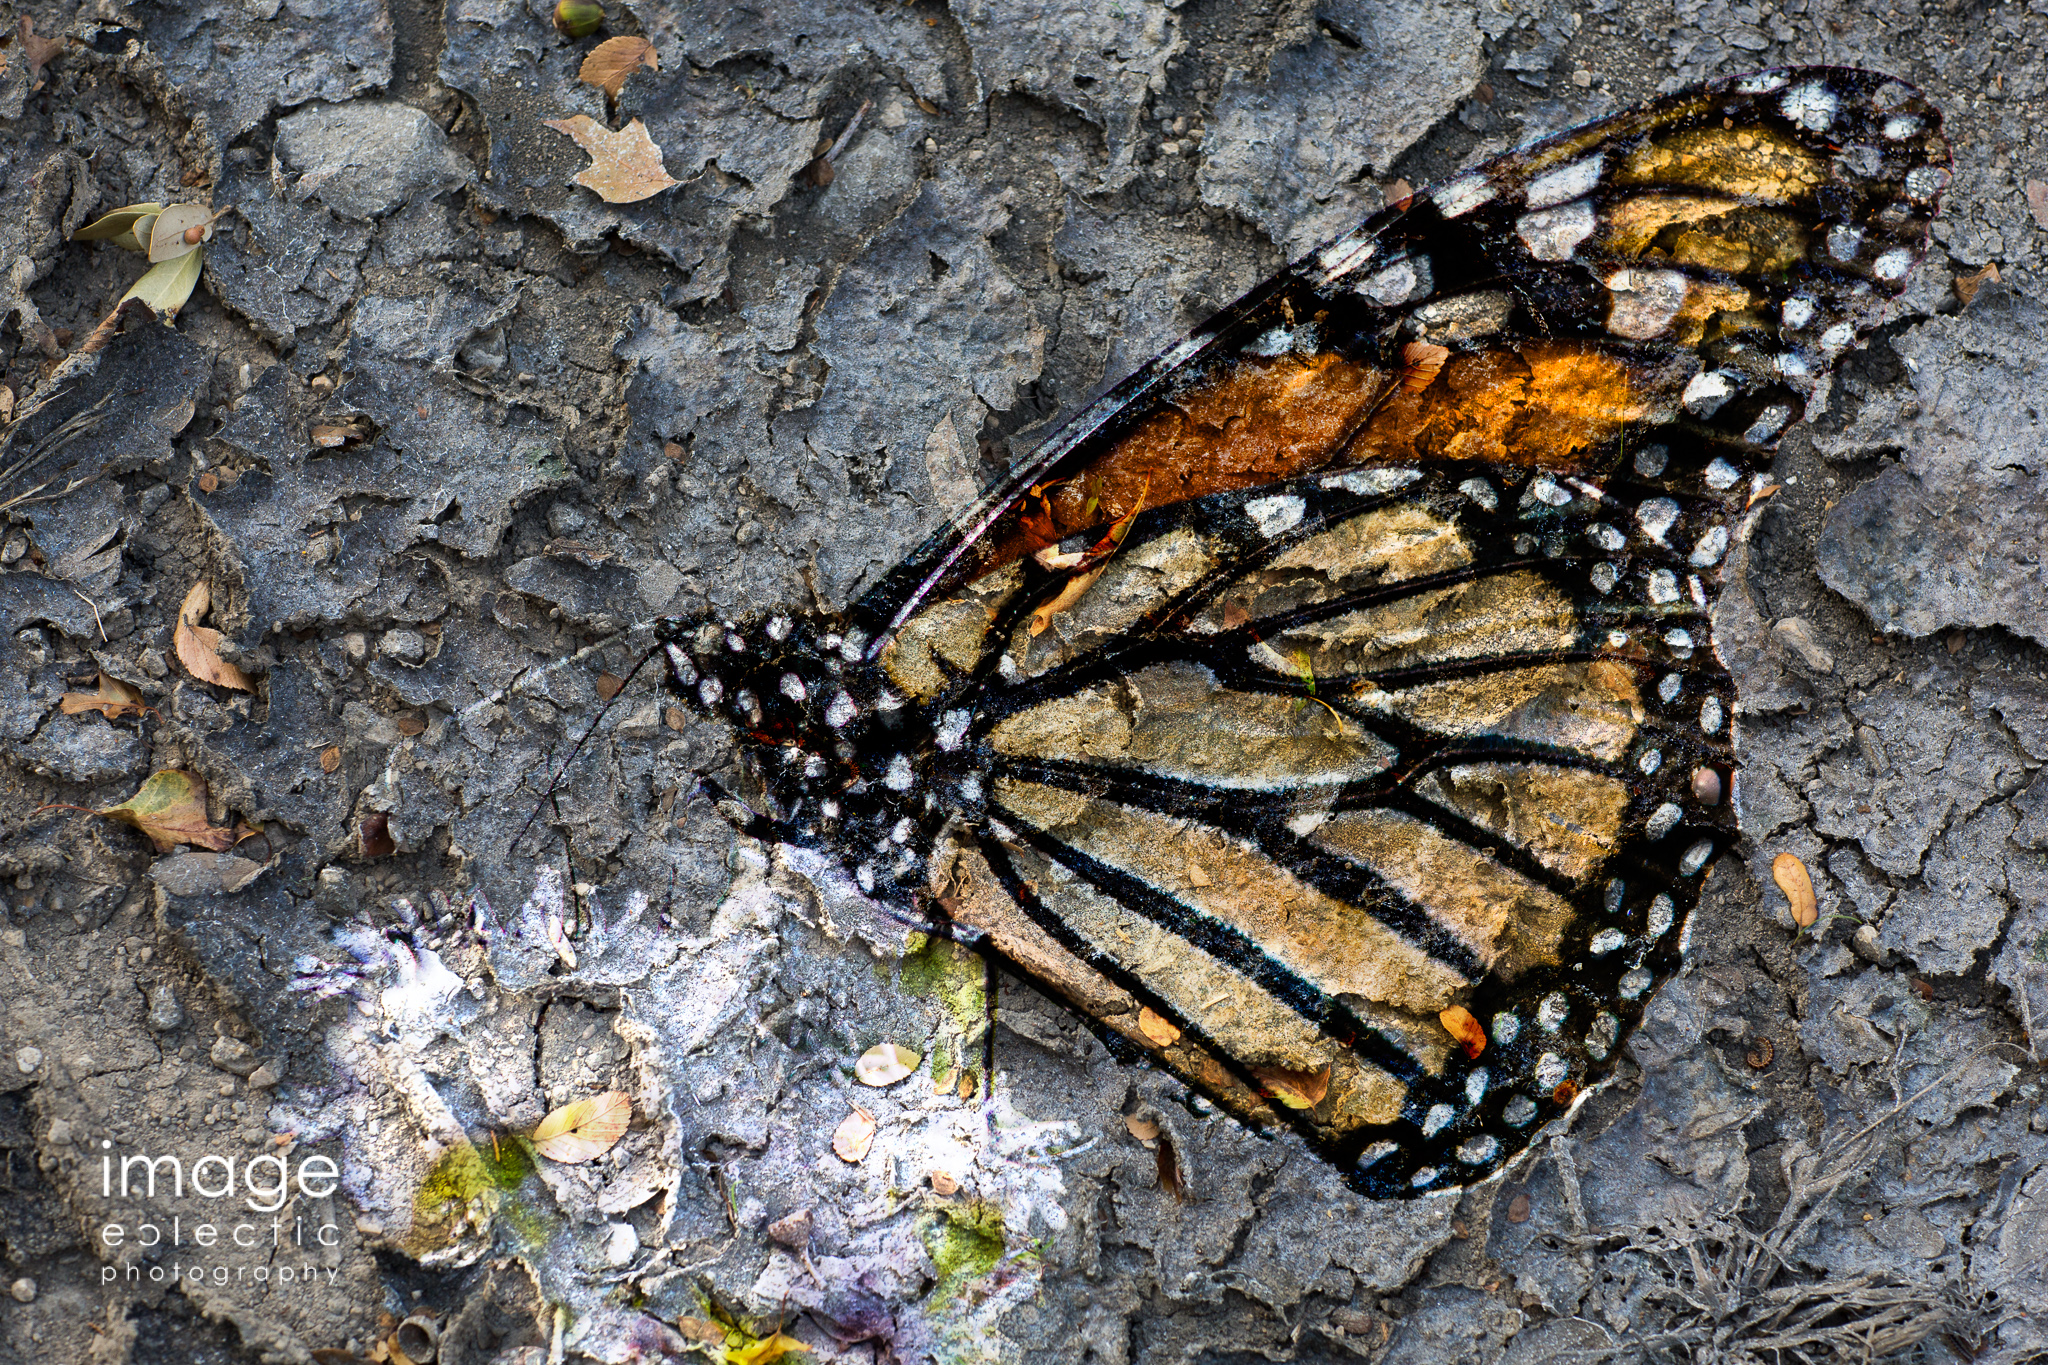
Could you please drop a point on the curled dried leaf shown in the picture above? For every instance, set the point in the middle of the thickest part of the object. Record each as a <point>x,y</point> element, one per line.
<point>853,1137</point>
<point>118,226</point>
<point>376,836</point>
<point>614,59</point>
<point>114,700</point>
<point>885,1064</point>
<point>198,646</point>
<point>625,166</point>
<point>1158,1027</point>
<point>1792,878</point>
<point>584,1130</point>
<point>1461,1025</point>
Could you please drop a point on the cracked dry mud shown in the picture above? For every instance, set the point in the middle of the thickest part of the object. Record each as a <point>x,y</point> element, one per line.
<point>761,388</point>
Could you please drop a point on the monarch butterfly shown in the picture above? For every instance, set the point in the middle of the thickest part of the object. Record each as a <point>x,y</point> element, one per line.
<point>1330,713</point>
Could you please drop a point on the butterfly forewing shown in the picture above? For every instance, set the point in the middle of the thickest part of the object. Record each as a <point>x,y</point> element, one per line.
<point>1331,713</point>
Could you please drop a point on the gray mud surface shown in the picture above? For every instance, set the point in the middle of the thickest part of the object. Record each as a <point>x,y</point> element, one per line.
<point>763,386</point>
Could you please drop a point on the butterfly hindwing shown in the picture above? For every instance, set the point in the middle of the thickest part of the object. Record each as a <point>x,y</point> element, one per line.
<point>1331,714</point>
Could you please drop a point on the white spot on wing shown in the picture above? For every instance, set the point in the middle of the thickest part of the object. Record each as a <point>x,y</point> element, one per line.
<point>1642,303</point>
<point>1811,105</point>
<point>1277,514</point>
<point>1463,195</point>
<point>1657,517</point>
<point>1553,234</point>
<point>1706,392</point>
<point>1566,182</point>
<point>1369,483</point>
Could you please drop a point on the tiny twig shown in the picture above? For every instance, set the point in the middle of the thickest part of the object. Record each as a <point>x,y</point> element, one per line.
<point>852,126</point>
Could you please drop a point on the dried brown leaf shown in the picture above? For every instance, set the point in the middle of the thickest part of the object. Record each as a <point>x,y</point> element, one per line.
<point>625,166</point>
<point>39,51</point>
<point>1144,1130</point>
<point>853,1137</point>
<point>170,807</point>
<point>1791,876</point>
<point>410,725</point>
<point>609,685</point>
<point>114,700</point>
<point>613,60</point>
<point>330,758</point>
<point>1968,285</point>
<point>1295,1089</point>
<point>1461,1025</point>
<point>1158,1027</point>
<point>584,1130</point>
<point>199,647</point>
<point>376,836</point>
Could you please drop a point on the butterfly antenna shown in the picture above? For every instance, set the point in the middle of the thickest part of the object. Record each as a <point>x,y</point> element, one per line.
<point>584,738</point>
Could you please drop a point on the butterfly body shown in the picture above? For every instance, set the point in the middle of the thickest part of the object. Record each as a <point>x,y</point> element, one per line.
<point>1330,714</point>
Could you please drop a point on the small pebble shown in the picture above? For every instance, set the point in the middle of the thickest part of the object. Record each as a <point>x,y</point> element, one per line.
<point>1706,787</point>
<point>23,1289</point>
<point>165,1013</point>
<point>28,1059</point>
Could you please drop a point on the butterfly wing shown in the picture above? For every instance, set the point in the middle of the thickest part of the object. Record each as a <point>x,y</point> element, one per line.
<point>1331,713</point>
<point>1703,258</point>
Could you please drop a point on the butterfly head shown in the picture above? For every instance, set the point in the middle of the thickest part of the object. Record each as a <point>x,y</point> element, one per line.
<point>841,759</point>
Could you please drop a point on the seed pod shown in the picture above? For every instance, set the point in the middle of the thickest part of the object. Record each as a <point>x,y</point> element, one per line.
<point>578,18</point>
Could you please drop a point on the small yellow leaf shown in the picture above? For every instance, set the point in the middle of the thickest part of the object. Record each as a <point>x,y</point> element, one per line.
<point>1158,1027</point>
<point>771,1347</point>
<point>584,1130</point>
<point>171,809</point>
<point>1791,876</point>
<point>114,700</point>
<point>166,285</point>
<point>625,166</point>
<point>198,646</point>
<point>885,1064</point>
<point>1295,1089</point>
<point>614,59</point>
<point>853,1137</point>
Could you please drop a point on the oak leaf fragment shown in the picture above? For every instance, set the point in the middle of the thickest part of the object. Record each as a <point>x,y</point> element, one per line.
<point>38,51</point>
<point>613,60</point>
<point>199,646</point>
<point>625,166</point>
<point>853,1137</point>
<point>584,1130</point>
<point>114,700</point>
<point>170,807</point>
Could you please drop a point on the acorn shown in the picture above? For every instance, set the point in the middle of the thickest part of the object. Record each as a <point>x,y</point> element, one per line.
<point>578,18</point>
